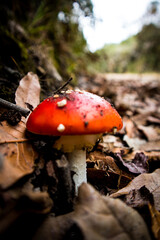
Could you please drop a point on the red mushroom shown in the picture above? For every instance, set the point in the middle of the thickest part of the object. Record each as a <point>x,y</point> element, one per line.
<point>80,118</point>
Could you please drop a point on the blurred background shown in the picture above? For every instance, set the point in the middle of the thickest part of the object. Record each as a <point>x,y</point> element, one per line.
<point>58,39</point>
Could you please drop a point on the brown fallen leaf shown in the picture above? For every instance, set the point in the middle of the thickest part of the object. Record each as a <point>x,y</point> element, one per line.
<point>10,133</point>
<point>131,129</point>
<point>153,120</point>
<point>140,119</point>
<point>150,146</point>
<point>17,161</point>
<point>17,201</point>
<point>136,143</point>
<point>95,217</point>
<point>28,91</point>
<point>139,164</point>
<point>153,156</point>
<point>155,215</point>
<point>149,132</point>
<point>103,161</point>
<point>138,198</point>
<point>150,180</point>
<point>102,170</point>
<point>17,154</point>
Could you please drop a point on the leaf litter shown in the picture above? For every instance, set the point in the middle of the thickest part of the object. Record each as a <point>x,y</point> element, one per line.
<point>124,166</point>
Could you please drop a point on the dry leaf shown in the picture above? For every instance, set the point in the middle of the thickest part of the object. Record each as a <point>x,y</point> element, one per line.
<point>151,146</point>
<point>131,129</point>
<point>138,198</point>
<point>28,91</point>
<point>153,120</point>
<point>153,156</point>
<point>17,161</point>
<point>102,170</point>
<point>135,143</point>
<point>17,201</point>
<point>18,155</point>
<point>155,215</point>
<point>150,133</point>
<point>10,133</point>
<point>95,217</point>
<point>103,162</point>
<point>109,143</point>
<point>139,164</point>
<point>150,180</point>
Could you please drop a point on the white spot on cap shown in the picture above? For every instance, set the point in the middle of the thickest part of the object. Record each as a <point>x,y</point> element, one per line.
<point>62,103</point>
<point>79,91</point>
<point>69,91</point>
<point>61,127</point>
<point>56,96</point>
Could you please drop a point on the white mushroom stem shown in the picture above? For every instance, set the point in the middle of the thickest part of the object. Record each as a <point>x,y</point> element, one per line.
<point>77,160</point>
<point>75,146</point>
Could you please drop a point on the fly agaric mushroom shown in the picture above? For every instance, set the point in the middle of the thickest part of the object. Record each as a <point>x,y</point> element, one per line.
<point>79,118</point>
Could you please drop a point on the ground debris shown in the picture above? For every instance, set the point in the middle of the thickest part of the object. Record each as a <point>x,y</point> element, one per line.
<point>36,184</point>
<point>95,217</point>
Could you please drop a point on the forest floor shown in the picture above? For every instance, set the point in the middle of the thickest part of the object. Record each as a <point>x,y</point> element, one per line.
<point>121,199</point>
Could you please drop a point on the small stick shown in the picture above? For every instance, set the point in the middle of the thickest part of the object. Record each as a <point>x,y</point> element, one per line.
<point>15,141</point>
<point>65,184</point>
<point>13,106</point>
<point>59,89</point>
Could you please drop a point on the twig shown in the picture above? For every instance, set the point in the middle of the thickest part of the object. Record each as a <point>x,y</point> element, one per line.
<point>15,141</point>
<point>18,67</point>
<point>65,184</point>
<point>64,85</point>
<point>13,106</point>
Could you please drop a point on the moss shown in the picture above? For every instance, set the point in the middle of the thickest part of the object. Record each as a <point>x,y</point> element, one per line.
<point>14,52</point>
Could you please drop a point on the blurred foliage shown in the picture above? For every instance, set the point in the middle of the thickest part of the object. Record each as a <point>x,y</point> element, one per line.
<point>52,24</point>
<point>139,53</point>
<point>114,57</point>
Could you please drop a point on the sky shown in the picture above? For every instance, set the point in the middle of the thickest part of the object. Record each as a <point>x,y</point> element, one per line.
<point>116,21</point>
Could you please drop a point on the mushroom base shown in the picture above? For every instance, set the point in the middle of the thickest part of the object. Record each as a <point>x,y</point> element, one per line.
<point>77,161</point>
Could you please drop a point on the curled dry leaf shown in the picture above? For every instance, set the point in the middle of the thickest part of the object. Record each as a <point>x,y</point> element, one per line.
<point>138,198</point>
<point>17,161</point>
<point>151,146</point>
<point>151,181</point>
<point>153,120</point>
<point>102,170</point>
<point>136,143</point>
<point>131,129</point>
<point>138,165</point>
<point>28,91</point>
<point>149,132</point>
<point>95,217</point>
<point>18,201</point>
<point>17,154</point>
<point>155,216</point>
<point>12,133</point>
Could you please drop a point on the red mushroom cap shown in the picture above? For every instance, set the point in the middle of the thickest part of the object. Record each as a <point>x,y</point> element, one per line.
<point>73,113</point>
